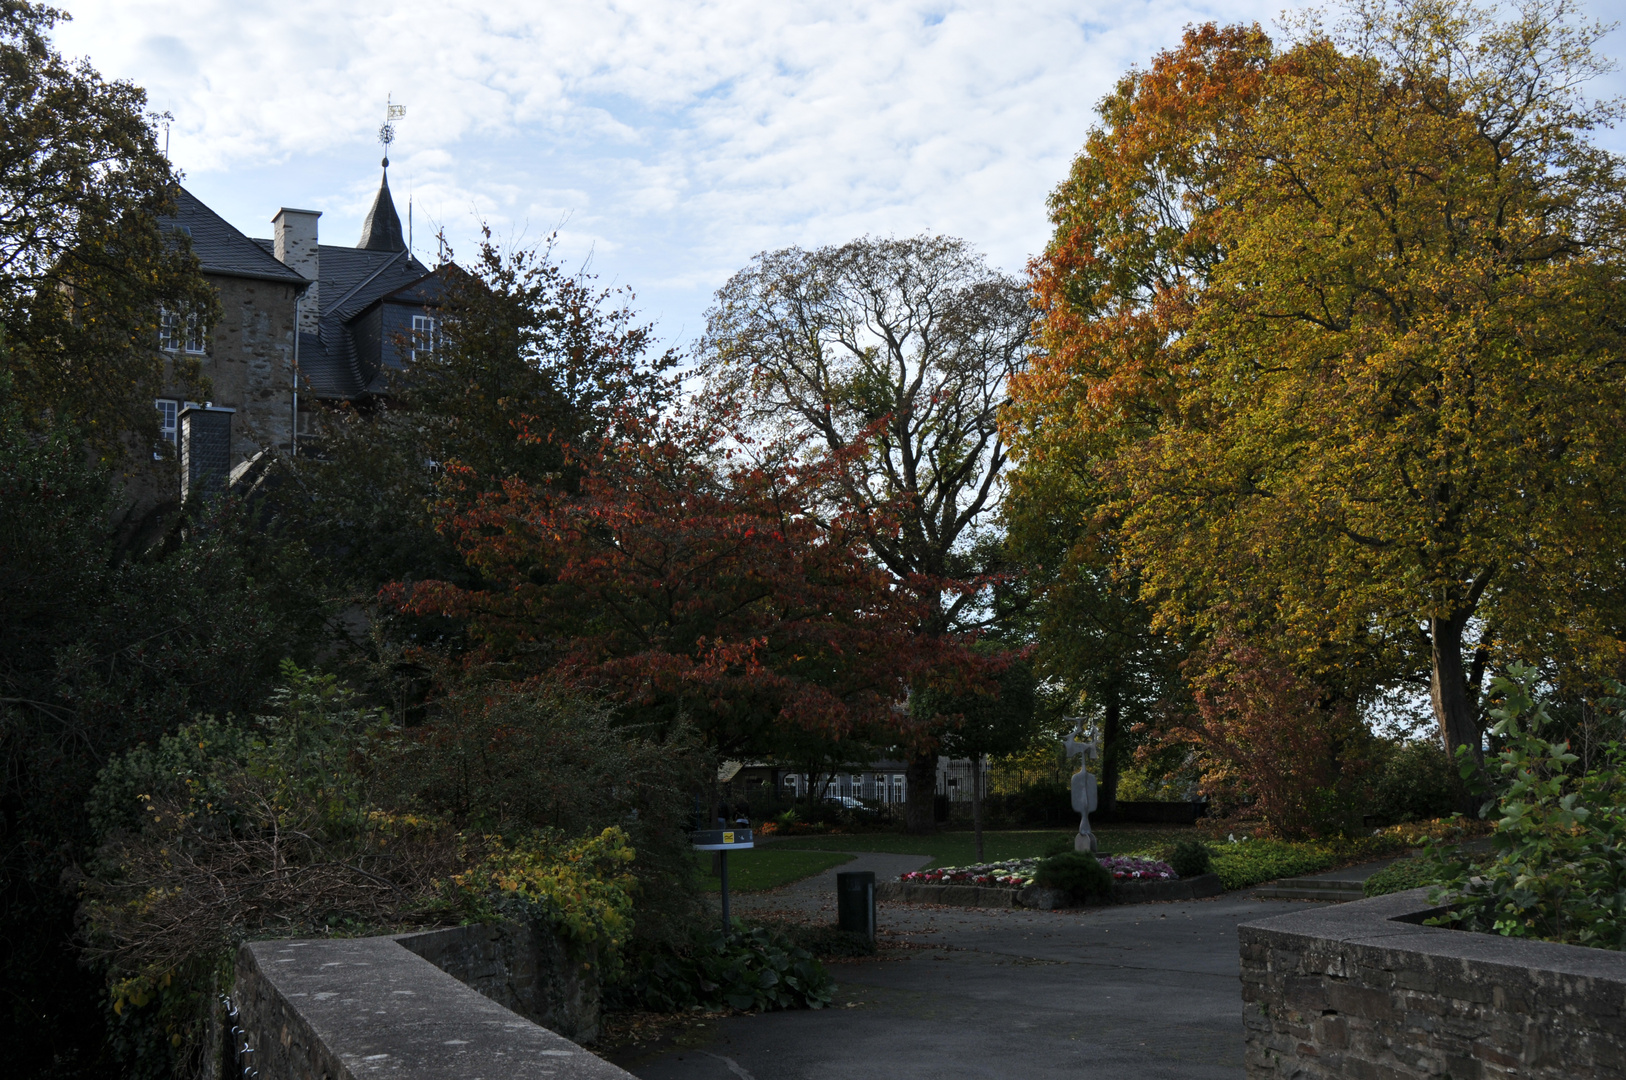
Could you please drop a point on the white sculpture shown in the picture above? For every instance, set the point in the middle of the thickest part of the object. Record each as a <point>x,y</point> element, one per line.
<point>1084,800</point>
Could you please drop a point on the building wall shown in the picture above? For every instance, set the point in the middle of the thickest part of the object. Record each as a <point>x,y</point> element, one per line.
<point>250,363</point>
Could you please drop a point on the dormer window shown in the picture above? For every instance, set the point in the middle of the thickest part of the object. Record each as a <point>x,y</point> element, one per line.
<point>180,331</point>
<point>423,335</point>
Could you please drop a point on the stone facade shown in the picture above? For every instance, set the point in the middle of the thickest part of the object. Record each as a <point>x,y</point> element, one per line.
<point>250,362</point>
<point>1363,990</point>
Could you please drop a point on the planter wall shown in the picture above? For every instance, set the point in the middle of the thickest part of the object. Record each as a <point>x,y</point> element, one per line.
<point>1123,892</point>
<point>1362,989</point>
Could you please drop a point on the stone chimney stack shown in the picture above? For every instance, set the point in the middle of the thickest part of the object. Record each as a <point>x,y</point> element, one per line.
<point>294,244</point>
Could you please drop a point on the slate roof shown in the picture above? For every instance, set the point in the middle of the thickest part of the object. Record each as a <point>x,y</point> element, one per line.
<point>221,248</point>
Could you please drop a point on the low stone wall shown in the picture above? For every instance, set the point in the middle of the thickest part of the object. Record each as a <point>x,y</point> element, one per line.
<point>1363,990</point>
<point>1123,892</point>
<point>354,1008</point>
<point>516,966</point>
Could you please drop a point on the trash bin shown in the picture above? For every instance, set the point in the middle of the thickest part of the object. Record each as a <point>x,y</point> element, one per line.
<point>855,902</point>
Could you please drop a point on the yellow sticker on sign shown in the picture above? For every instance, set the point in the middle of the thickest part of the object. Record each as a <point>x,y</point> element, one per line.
<point>728,838</point>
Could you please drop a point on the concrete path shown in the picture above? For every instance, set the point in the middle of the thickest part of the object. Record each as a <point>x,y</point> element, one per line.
<point>1148,992</point>
<point>1355,874</point>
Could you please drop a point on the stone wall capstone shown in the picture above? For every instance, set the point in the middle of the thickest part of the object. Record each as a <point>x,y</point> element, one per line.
<point>353,1008</point>
<point>1363,990</point>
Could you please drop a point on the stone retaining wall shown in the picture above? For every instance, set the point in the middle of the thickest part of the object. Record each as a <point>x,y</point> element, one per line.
<point>516,966</point>
<point>353,1008</point>
<point>1363,990</point>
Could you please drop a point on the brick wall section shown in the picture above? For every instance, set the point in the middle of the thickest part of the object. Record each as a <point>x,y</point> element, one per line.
<point>1361,990</point>
<point>355,1008</point>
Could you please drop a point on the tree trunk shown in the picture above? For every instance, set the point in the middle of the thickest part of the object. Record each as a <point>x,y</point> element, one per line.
<point>976,800</point>
<point>1111,745</point>
<point>920,802</point>
<point>1455,704</point>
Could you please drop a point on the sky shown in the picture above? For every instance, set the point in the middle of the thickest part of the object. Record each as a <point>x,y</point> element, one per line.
<point>665,143</point>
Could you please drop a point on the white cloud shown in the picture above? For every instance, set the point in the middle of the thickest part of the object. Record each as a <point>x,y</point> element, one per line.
<point>673,140</point>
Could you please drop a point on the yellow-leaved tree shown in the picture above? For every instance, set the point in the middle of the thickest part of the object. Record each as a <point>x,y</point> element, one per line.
<point>1334,338</point>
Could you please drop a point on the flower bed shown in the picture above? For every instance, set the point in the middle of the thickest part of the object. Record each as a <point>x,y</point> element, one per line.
<point>1138,868</point>
<point>1018,873</point>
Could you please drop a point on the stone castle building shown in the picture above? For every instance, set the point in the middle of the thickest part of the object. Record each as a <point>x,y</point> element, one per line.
<point>304,326</point>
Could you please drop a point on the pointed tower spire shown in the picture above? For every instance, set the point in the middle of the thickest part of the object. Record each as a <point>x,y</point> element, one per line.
<point>382,229</point>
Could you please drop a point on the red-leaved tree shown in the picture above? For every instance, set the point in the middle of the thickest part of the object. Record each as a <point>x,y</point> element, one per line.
<point>693,577</point>
<point>1267,735</point>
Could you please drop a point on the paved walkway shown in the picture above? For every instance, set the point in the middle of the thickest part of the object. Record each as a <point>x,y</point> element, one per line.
<point>1148,992</point>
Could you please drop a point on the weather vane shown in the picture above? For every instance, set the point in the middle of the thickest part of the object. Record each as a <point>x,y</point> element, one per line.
<point>386,133</point>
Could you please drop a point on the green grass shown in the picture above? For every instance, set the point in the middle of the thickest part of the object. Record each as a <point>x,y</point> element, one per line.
<point>960,848</point>
<point>766,868</point>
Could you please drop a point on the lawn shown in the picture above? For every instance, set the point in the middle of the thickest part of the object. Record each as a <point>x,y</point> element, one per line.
<point>767,868</point>
<point>960,848</point>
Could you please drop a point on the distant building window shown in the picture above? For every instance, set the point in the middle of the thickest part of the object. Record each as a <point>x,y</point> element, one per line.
<point>180,331</point>
<point>423,335</point>
<point>168,411</point>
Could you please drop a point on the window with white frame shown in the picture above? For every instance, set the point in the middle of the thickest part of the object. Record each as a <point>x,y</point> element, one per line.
<point>180,331</point>
<point>423,335</point>
<point>168,427</point>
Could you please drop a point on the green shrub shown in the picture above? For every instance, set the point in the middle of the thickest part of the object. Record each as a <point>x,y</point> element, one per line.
<point>1057,845</point>
<point>1402,875</point>
<point>1190,858</point>
<point>1558,868</point>
<point>754,968</point>
<point>1076,873</point>
<point>1413,781</point>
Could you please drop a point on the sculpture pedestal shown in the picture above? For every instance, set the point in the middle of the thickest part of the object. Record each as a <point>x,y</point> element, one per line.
<point>1085,842</point>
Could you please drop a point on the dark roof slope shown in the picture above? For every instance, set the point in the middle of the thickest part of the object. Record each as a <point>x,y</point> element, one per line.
<point>221,248</point>
<point>382,229</point>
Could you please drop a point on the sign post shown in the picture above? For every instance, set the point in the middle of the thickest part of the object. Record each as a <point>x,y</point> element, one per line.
<point>723,841</point>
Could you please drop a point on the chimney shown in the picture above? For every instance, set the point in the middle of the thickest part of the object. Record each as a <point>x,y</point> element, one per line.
<point>294,244</point>
<point>205,438</point>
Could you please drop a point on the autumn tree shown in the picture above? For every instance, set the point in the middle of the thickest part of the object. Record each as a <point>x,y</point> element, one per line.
<point>84,263</point>
<point>988,720</point>
<point>890,358</point>
<point>531,366</point>
<point>690,583</point>
<point>1334,329</point>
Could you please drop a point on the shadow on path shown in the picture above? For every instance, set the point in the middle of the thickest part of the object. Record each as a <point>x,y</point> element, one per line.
<point>1147,991</point>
